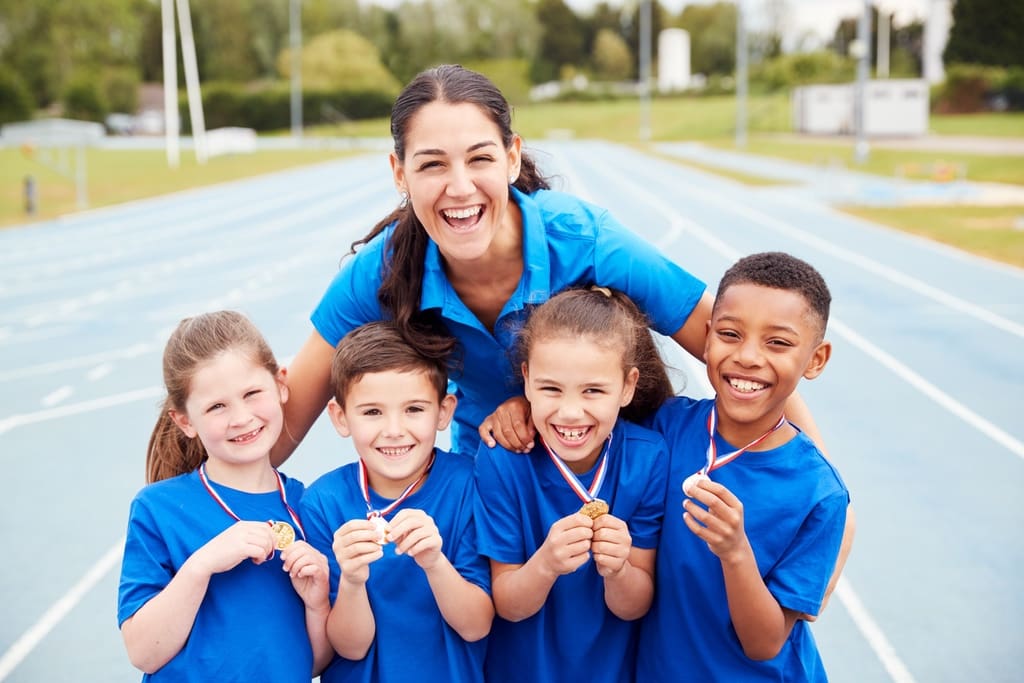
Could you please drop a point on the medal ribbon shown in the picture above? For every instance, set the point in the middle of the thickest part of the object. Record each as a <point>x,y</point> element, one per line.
<point>364,486</point>
<point>280,489</point>
<point>586,495</point>
<point>714,461</point>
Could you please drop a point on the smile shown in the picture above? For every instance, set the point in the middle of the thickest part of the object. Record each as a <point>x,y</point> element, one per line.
<point>464,218</point>
<point>394,451</point>
<point>572,433</point>
<point>247,437</point>
<point>746,386</point>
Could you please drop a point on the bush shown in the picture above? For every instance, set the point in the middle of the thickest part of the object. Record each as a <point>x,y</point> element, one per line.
<point>83,98</point>
<point>970,88</point>
<point>121,89</point>
<point>266,107</point>
<point>789,71</point>
<point>15,100</point>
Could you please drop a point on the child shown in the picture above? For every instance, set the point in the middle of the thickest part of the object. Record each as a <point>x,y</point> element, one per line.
<point>202,594</point>
<point>762,522</point>
<point>571,527</point>
<point>403,609</point>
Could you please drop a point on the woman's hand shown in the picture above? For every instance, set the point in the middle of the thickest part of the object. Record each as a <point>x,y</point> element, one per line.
<point>510,426</point>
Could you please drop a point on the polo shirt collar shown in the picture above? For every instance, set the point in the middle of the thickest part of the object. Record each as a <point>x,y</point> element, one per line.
<point>535,285</point>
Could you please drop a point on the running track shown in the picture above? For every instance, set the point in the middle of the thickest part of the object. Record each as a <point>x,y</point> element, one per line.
<point>920,406</point>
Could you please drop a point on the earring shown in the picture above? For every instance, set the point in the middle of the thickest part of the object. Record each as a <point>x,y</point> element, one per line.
<point>405,200</point>
<point>512,179</point>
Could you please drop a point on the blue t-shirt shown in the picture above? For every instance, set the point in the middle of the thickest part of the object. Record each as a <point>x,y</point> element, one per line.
<point>794,511</point>
<point>574,636</point>
<point>566,242</point>
<point>251,625</point>
<point>413,642</point>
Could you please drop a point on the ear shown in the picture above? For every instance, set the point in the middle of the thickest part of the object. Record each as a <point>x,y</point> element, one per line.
<point>337,415</point>
<point>630,387</point>
<point>447,411</point>
<point>282,384</point>
<point>525,369</point>
<point>819,358</point>
<point>515,156</point>
<point>707,341</point>
<point>397,172</point>
<point>181,419</point>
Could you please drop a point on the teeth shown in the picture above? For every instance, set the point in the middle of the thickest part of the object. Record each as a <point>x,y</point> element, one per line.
<point>247,436</point>
<point>393,452</point>
<point>461,213</point>
<point>572,434</point>
<point>746,385</point>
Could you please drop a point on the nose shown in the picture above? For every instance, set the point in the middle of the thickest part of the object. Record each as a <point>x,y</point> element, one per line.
<point>240,416</point>
<point>749,353</point>
<point>393,426</point>
<point>460,182</point>
<point>570,409</point>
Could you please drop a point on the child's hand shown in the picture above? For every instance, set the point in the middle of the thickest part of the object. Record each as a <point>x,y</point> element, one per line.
<point>415,534</point>
<point>241,540</point>
<point>611,545</point>
<point>721,524</point>
<point>510,426</point>
<point>308,570</point>
<point>567,546</point>
<point>355,547</point>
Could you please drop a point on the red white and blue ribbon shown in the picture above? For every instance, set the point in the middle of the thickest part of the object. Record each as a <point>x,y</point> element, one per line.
<point>364,486</point>
<point>280,488</point>
<point>585,494</point>
<point>714,461</point>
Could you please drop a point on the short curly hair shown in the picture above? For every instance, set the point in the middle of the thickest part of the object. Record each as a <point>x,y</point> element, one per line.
<point>780,270</point>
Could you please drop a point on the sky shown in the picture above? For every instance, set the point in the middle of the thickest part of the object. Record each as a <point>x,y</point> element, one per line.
<point>819,17</point>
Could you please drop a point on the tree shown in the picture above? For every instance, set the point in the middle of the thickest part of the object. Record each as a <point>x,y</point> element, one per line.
<point>561,40</point>
<point>986,32</point>
<point>611,57</point>
<point>340,59</point>
<point>712,37</point>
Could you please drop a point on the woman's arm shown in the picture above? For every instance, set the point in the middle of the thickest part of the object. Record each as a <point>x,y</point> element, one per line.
<point>309,388</point>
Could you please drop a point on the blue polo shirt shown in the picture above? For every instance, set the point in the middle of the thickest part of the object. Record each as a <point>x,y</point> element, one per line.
<point>566,242</point>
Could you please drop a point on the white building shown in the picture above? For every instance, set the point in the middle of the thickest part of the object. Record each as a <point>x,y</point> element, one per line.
<point>892,108</point>
<point>936,35</point>
<point>673,60</point>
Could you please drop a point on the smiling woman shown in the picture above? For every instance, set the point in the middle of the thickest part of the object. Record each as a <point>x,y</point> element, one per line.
<point>477,241</point>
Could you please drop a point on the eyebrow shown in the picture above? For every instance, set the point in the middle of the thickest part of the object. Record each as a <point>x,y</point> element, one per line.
<point>737,319</point>
<point>441,152</point>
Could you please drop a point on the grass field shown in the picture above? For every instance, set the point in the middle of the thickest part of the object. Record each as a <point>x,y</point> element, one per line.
<point>117,176</point>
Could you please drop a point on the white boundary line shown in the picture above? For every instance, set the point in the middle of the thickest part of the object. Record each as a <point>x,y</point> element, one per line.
<point>898,672</point>
<point>24,645</point>
<point>9,423</point>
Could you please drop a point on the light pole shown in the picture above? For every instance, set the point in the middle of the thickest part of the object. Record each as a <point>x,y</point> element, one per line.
<point>862,51</point>
<point>645,70</point>
<point>741,77</point>
<point>295,40</point>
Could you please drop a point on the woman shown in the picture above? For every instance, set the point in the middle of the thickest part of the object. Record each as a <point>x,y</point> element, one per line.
<point>478,240</point>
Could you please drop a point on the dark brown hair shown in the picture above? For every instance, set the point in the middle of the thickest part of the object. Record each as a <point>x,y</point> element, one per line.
<point>607,318</point>
<point>381,347</point>
<point>401,289</point>
<point>779,270</point>
<point>196,341</point>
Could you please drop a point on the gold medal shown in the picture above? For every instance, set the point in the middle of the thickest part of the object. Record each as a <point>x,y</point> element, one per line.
<point>284,534</point>
<point>595,508</point>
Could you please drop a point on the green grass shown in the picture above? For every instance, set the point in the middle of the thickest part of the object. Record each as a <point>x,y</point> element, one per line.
<point>996,232</point>
<point>1010,124</point>
<point>117,176</point>
<point>121,175</point>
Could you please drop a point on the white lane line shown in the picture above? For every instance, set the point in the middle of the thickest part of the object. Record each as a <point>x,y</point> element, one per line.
<point>100,371</point>
<point>872,266</point>
<point>80,361</point>
<point>60,609</point>
<point>57,396</point>
<point>9,423</point>
<point>884,650</point>
<point>915,380</point>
